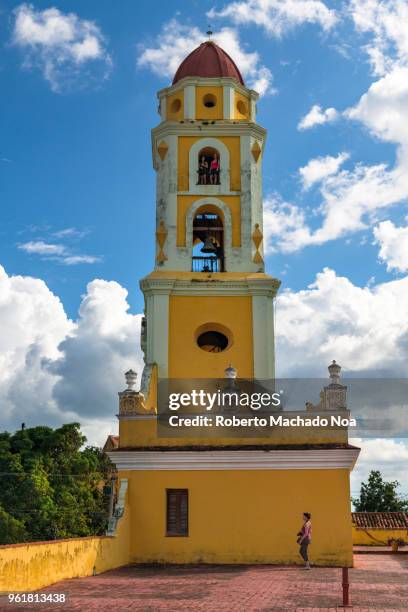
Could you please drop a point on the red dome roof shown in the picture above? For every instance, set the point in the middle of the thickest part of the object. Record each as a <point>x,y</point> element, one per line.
<point>208,60</point>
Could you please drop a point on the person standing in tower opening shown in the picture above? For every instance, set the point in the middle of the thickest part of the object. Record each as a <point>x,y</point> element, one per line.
<point>202,172</point>
<point>304,538</point>
<point>215,171</point>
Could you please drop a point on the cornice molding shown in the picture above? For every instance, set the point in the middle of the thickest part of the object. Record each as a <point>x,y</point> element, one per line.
<point>319,459</point>
<point>221,127</point>
<point>211,286</point>
<point>163,286</point>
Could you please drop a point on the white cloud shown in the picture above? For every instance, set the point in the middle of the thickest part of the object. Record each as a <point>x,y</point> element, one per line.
<point>70,232</point>
<point>33,324</point>
<point>54,370</point>
<point>58,252</point>
<point>350,200</point>
<point>72,260</point>
<point>278,16</point>
<point>103,345</point>
<point>318,169</point>
<point>364,329</point>
<point>68,50</point>
<point>387,22</point>
<point>393,243</point>
<point>39,247</point>
<point>317,116</point>
<point>384,108</point>
<point>176,41</point>
<point>284,225</point>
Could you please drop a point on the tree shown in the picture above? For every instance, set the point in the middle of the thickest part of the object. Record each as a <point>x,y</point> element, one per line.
<point>12,531</point>
<point>378,495</point>
<point>51,486</point>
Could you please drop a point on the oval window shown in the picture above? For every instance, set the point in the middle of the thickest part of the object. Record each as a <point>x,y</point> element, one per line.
<point>175,105</point>
<point>241,107</point>
<point>209,101</point>
<point>212,341</point>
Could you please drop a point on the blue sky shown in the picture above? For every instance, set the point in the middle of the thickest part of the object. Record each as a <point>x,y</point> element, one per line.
<point>77,188</point>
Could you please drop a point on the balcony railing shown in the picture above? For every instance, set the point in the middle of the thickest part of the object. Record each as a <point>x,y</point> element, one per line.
<point>208,264</point>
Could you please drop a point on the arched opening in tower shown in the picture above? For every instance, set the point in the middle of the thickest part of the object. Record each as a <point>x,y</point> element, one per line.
<point>208,242</point>
<point>208,167</point>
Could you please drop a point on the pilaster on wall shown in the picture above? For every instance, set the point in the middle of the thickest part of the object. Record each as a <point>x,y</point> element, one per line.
<point>263,293</point>
<point>228,97</point>
<point>189,102</point>
<point>157,317</point>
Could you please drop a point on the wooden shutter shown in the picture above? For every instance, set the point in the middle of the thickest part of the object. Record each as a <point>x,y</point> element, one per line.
<point>177,512</point>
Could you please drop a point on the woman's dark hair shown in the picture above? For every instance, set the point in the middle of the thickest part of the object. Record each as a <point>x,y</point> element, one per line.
<point>307,515</point>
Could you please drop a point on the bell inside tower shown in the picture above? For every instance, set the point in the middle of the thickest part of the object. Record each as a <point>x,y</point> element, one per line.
<point>208,243</point>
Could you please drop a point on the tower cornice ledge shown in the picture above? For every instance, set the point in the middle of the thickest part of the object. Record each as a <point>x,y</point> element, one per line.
<point>220,128</point>
<point>161,285</point>
<point>233,283</point>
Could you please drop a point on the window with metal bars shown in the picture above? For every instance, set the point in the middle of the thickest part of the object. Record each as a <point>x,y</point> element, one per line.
<point>177,512</point>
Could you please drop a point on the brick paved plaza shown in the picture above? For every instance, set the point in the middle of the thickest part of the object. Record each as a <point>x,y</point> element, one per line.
<point>378,582</point>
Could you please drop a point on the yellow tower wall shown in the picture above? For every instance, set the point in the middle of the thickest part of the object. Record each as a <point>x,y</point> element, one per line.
<point>233,145</point>
<point>241,103</point>
<point>187,314</point>
<point>175,114</point>
<point>210,113</point>
<point>242,516</point>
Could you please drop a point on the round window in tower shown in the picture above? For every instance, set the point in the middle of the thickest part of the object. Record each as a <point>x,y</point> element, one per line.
<point>175,105</point>
<point>209,101</point>
<point>242,107</point>
<point>212,342</point>
<point>213,338</point>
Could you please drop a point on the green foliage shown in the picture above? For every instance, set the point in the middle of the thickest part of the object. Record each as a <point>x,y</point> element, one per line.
<point>11,529</point>
<point>50,486</point>
<point>378,495</point>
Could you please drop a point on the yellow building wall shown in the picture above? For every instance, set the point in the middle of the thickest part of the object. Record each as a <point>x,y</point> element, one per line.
<point>242,516</point>
<point>185,202</point>
<point>214,112</point>
<point>233,145</point>
<point>143,433</point>
<point>240,100</point>
<point>377,537</point>
<point>34,565</point>
<point>187,314</point>
<point>171,102</point>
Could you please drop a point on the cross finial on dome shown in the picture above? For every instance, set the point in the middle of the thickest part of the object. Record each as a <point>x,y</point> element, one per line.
<point>209,32</point>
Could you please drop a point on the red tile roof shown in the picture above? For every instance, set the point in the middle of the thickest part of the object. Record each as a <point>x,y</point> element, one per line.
<point>208,60</point>
<point>380,520</point>
<point>112,442</point>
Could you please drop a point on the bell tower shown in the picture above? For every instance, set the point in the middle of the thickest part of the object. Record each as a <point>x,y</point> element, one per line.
<point>208,302</point>
<point>209,313</point>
